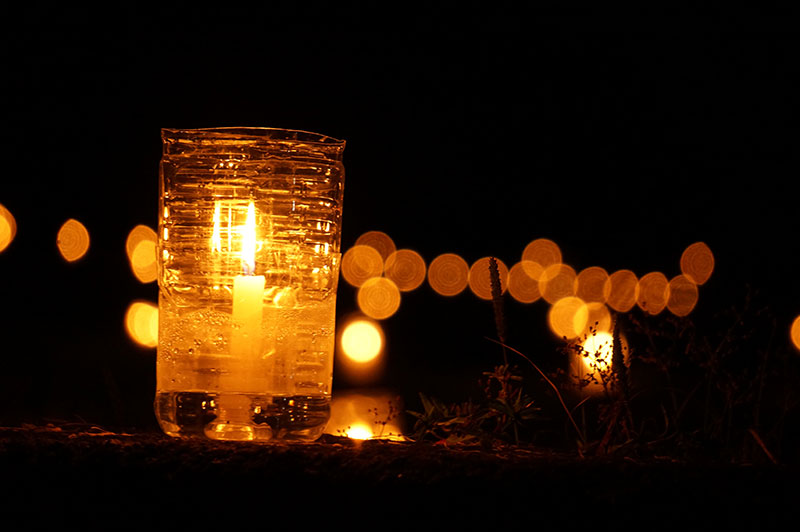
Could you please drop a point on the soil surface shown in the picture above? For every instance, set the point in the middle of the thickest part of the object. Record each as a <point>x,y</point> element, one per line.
<point>82,472</point>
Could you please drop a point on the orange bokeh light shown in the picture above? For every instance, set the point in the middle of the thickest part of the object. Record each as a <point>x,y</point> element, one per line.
<point>72,240</point>
<point>141,323</point>
<point>543,251</point>
<point>598,318</point>
<point>557,282</point>
<point>362,341</point>
<point>653,293</point>
<point>521,285</point>
<point>141,249</point>
<point>406,268</point>
<point>8,228</point>
<point>590,284</point>
<point>682,295</point>
<point>378,298</point>
<point>622,290</point>
<point>794,332</point>
<point>361,263</point>
<point>568,317</point>
<point>697,263</point>
<point>595,367</point>
<point>480,279</point>
<point>448,274</point>
<point>379,240</point>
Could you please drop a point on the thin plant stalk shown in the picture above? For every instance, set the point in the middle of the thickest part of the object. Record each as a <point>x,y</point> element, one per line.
<point>553,386</point>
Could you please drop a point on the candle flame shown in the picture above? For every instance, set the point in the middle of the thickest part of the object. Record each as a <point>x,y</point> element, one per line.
<point>248,255</point>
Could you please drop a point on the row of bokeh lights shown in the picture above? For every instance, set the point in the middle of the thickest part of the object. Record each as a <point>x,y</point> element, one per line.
<point>381,272</point>
<point>578,300</point>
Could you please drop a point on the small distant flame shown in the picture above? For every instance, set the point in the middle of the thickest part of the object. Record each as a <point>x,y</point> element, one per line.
<point>249,241</point>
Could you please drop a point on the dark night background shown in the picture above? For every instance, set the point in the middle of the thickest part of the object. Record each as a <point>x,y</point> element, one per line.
<point>468,130</point>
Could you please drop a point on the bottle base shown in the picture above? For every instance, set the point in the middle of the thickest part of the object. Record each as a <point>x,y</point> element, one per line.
<point>242,417</point>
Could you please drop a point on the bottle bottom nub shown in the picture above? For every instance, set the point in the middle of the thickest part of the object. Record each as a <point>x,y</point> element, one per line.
<point>242,416</point>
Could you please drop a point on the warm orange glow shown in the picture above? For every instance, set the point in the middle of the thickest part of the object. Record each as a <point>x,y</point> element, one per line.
<point>480,280</point>
<point>599,351</point>
<point>697,263</point>
<point>600,348</point>
<point>557,282</point>
<point>598,318</point>
<point>448,274</point>
<point>141,322</point>
<point>8,228</point>
<point>378,298</point>
<point>653,293</point>
<point>141,249</point>
<point>568,317</point>
<point>682,295</point>
<point>72,240</point>
<point>406,268</point>
<point>543,251</point>
<point>521,285</point>
<point>359,431</point>
<point>362,341</point>
<point>622,290</point>
<point>361,416</point>
<point>590,284</point>
<point>361,263</point>
<point>794,332</point>
<point>379,240</point>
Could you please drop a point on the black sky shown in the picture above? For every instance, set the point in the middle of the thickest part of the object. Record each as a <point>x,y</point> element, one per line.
<point>471,131</point>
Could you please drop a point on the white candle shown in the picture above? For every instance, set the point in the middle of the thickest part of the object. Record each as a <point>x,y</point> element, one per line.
<point>248,297</point>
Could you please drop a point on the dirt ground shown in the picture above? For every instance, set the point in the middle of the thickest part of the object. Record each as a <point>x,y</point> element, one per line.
<point>83,472</point>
